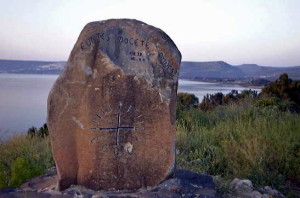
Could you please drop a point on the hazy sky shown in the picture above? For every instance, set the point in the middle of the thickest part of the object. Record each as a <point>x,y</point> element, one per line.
<point>266,32</point>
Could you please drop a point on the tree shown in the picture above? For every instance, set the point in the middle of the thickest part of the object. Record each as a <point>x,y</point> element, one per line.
<point>283,88</point>
<point>42,132</point>
<point>32,131</point>
<point>186,101</point>
<point>210,101</point>
<point>285,91</point>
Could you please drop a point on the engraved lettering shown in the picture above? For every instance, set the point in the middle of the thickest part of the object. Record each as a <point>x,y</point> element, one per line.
<point>102,36</point>
<point>82,46</point>
<point>136,42</point>
<point>166,66</point>
<point>131,41</point>
<point>98,36</point>
<point>88,42</point>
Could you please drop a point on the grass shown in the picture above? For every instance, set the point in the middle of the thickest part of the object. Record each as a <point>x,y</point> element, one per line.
<point>241,140</point>
<point>23,157</point>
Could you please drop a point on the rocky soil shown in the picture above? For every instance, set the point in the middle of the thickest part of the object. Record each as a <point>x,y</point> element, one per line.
<point>183,183</point>
<point>239,188</point>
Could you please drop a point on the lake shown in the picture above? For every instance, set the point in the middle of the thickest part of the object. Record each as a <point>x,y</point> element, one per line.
<point>200,89</point>
<point>23,99</point>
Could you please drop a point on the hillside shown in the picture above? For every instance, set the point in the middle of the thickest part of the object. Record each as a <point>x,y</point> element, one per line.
<point>271,73</point>
<point>214,70</point>
<point>209,70</point>
<point>31,67</point>
<point>220,70</point>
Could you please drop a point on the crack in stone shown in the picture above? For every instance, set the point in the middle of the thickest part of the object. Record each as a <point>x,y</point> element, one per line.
<point>77,122</point>
<point>67,103</point>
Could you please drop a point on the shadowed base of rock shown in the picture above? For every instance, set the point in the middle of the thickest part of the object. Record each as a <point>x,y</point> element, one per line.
<point>183,183</point>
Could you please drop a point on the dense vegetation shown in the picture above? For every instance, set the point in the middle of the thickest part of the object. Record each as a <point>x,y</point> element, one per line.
<point>24,156</point>
<point>245,135</point>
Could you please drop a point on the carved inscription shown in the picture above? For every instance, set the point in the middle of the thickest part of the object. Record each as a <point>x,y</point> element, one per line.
<point>169,69</point>
<point>135,54</point>
<point>134,42</point>
<point>104,37</point>
<point>116,126</point>
<point>96,38</point>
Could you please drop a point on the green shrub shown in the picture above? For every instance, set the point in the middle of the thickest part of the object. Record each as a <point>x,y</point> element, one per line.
<point>4,176</point>
<point>23,157</point>
<point>277,103</point>
<point>186,101</point>
<point>20,171</point>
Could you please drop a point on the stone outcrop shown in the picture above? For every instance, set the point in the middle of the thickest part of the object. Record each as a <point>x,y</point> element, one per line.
<point>181,184</point>
<point>243,188</point>
<point>111,113</point>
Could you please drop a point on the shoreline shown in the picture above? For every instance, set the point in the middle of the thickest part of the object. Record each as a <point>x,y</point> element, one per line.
<point>240,83</point>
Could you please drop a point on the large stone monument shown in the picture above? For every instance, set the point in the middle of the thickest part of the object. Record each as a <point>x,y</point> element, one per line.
<point>111,113</point>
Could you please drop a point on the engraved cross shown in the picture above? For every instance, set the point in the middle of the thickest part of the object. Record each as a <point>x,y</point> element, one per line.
<point>116,129</point>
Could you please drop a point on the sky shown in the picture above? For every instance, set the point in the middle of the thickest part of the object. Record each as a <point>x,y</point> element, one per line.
<point>264,32</point>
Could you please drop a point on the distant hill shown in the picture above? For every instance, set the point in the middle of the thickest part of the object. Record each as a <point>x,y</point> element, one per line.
<point>209,70</point>
<point>222,70</point>
<point>214,70</point>
<point>31,67</point>
<point>271,73</point>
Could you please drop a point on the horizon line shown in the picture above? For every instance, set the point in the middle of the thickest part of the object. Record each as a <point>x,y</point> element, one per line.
<point>181,62</point>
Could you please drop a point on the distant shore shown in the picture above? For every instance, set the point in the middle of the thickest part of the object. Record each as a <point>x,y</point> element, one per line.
<point>240,83</point>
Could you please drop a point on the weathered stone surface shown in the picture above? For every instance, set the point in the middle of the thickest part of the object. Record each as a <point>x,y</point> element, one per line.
<point>111,113</point>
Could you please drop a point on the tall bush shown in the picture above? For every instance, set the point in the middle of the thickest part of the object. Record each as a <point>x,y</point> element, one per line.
<point>23,157</point>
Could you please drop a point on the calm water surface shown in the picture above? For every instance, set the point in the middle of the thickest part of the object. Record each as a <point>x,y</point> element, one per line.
<point>23,99</point>
<point>200,89</point>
